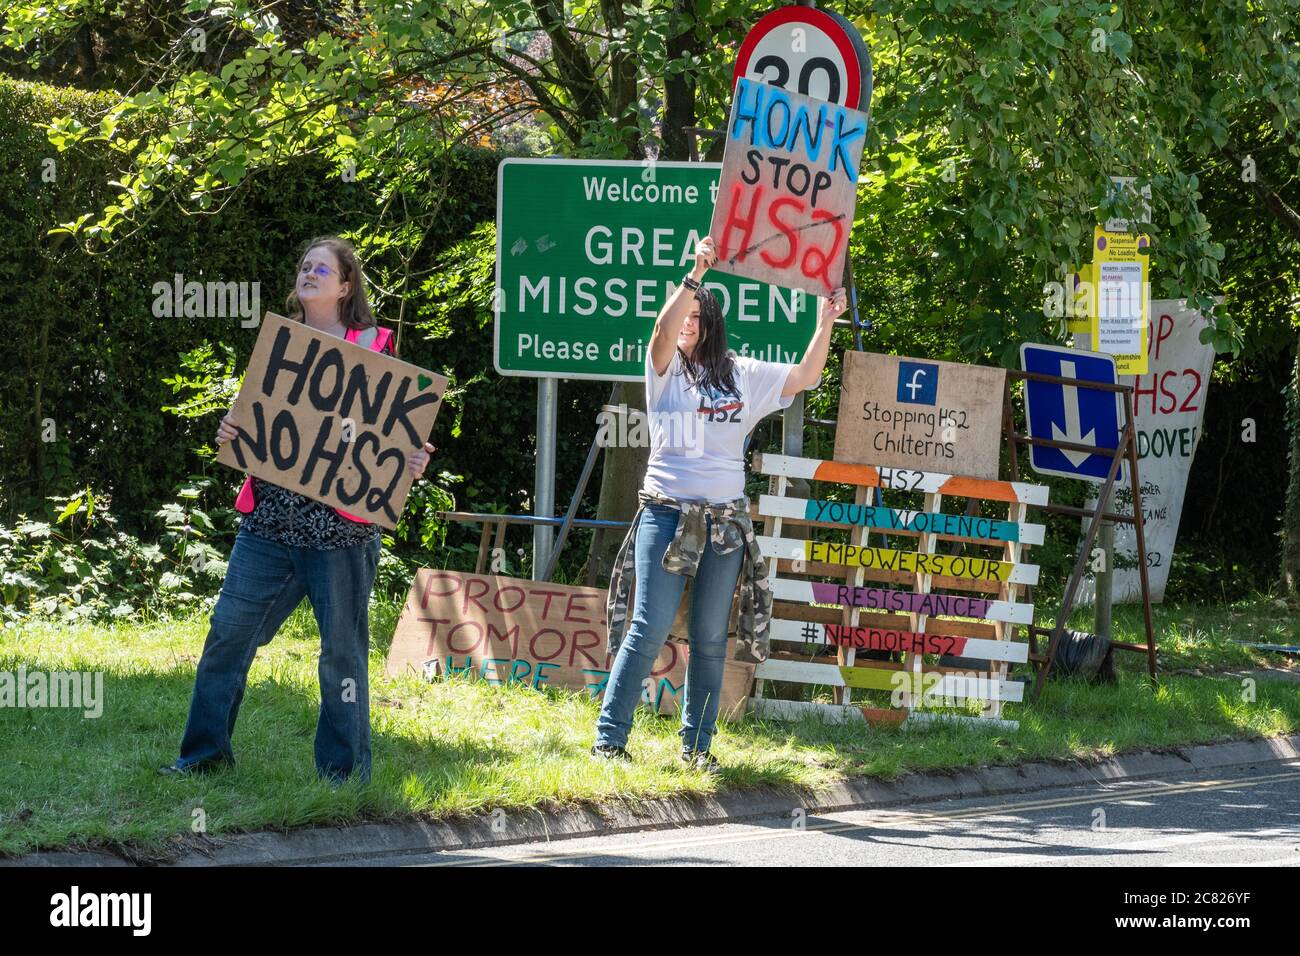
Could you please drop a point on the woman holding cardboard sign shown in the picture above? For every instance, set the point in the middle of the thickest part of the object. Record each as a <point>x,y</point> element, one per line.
<point>289,547</point>
<point>703,401</point>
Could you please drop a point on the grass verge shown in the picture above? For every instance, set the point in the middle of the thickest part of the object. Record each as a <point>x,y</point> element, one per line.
<point>459,747</point>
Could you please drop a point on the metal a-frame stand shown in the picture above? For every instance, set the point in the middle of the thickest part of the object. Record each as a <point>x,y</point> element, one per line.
<point>1126,450</point>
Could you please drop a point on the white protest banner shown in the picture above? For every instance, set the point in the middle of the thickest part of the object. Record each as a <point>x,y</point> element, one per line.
<point>1168,406</point>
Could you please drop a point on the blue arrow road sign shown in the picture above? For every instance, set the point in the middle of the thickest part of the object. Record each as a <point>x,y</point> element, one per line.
<point>1061,412</point>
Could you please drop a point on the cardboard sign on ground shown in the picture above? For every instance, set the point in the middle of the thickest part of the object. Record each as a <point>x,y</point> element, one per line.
<point>504,629</point>
<point>898,412</point>
<point>332,420</point>
<point>788,188</point>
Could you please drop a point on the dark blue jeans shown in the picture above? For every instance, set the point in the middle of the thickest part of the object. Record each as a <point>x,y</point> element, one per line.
<point>265,581</point>
<point>654,605</point>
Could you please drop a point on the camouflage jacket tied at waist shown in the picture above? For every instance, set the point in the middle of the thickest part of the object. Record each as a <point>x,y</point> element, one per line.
<point>731,529</point>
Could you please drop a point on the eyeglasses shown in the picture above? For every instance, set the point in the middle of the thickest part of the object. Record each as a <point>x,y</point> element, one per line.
<point>321,270</point>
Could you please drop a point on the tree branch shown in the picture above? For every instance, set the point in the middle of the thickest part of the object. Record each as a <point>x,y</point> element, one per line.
<point>574,65</point>
<point>1274,203</point>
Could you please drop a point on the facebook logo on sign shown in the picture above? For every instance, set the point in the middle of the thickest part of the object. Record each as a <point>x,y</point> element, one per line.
<point>918,383</point>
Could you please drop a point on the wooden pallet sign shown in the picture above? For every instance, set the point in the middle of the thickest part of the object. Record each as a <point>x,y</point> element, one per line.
<point>951,595</point>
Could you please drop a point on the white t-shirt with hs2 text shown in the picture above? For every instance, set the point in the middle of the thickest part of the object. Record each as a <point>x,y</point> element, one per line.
<point>697,437</point>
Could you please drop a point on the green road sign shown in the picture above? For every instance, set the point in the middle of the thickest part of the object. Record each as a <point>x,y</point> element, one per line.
<point>588,251</point>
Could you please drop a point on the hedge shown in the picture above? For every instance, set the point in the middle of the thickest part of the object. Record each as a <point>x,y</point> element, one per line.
<point>84,342</point>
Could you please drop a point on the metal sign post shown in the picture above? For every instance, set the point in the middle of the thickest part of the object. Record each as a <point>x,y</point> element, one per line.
<point>1105,575</point>
<point>571,514</point>
<point>548,392</point>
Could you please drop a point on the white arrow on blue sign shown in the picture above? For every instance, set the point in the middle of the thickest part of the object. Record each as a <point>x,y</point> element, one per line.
<point>1068,413</point>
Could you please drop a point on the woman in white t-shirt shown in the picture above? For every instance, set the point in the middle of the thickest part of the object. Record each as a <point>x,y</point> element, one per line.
<point>702,402</point>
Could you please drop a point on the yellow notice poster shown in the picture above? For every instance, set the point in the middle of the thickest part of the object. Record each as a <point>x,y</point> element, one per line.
<point>1120,323</point>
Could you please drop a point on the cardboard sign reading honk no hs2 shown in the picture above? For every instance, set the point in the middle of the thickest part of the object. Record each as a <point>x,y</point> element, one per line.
<point>332,420</point>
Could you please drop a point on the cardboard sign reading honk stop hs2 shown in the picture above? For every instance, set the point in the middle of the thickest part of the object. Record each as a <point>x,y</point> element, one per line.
<point>332,420</point>
<point>788,188</point>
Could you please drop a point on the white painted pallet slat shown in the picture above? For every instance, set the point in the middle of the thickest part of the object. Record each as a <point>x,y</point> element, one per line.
<point>795,632</point>
<point>947,685</point>
<point>889,519</point>
<point>790,549</point>
<point>787,589</point>
<point>901,479</point>
<point>841,713</point>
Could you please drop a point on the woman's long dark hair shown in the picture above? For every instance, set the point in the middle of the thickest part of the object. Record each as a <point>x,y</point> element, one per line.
<point>711,366</point>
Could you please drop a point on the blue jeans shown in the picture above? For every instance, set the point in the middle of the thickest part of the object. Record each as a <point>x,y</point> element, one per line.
<point>265,581</point>
<point>658,592</point>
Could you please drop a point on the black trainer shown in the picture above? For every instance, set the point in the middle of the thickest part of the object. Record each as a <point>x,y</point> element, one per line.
<point>610,752</point>
<point>701,760</point>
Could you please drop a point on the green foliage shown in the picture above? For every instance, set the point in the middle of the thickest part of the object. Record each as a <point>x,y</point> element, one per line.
<point>88,362</point>
<point>462,284</point>
<point>206,383</point>
<point>1030,107</point>
<point>996,125</point>
<point>1204,574</point>
<point>420,538</point>
<point>1291,513</point>
<point>455,316</point>
<point>132,396</point>
<point>77,565</point>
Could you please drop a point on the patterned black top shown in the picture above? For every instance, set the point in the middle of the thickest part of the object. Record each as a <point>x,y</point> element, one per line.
<point>290,518</point>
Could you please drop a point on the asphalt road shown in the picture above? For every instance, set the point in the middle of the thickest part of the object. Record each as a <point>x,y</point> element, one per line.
<point>1248,816</point>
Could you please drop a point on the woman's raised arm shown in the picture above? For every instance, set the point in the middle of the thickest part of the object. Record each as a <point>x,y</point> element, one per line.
<point>663,340</point>
<point>809,370</point>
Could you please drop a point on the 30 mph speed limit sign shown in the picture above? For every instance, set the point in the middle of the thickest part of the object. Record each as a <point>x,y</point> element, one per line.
<point>806,50</point>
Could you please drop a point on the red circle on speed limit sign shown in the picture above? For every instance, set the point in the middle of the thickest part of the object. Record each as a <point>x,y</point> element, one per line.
<point>806,50</point>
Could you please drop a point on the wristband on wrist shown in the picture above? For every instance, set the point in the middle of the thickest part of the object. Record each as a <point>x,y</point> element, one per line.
<point>690,283</point>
